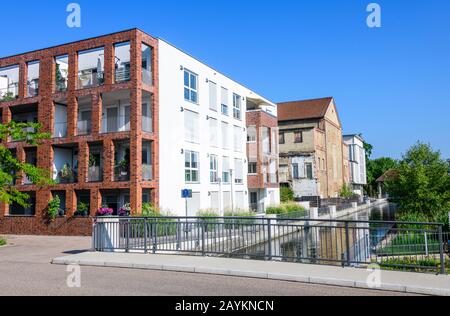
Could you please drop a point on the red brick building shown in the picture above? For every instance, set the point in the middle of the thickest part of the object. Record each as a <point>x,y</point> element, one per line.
<point>99,99</point>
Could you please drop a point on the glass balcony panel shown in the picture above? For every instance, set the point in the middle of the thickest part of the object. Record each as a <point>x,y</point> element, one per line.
<point>60,130</point>
<point>147,172</point>
<point>147,124</point>
<point>84,127</point>
<point>113,124</point>
<point>95,174</point>
<point>147,72</point>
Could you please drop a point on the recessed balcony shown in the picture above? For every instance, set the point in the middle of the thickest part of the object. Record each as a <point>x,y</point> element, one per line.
<point>122,161</point>
<point>33,79</point>
<point>65,164</point>
<point>84,124</point>
<point>24,114</point>
<point>60,120</point>
<point>122,62</point>
<point>9,83</point>
<point>116,112</point>
<point>90,68</point>
<point>95,166</point>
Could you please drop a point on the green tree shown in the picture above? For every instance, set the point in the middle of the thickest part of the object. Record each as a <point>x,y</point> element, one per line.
<point>11,168</point>
<point>422,188</point>
<point>286,194</point>
<point>375,169</point>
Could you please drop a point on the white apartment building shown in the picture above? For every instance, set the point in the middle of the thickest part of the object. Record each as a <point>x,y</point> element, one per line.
<point>357,159</point>
<point>203,135</point>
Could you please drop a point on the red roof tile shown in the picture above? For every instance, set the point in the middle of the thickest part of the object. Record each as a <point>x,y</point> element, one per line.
<point>306,109</point>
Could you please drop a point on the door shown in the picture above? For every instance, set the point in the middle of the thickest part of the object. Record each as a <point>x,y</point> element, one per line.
<point>112,115</point>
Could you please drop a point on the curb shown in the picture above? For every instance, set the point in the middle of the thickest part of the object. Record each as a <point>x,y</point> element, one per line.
<point>258,275</point>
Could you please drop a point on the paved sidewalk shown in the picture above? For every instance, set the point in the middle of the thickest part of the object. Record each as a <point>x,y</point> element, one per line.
<point>414,283</point>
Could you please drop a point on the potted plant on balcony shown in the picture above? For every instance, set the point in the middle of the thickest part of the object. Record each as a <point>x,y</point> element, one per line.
<point>53,208</point>
<point>125,210</point>
<point>124,167</point>
<point>82,210</point>
<point>105,211</point>
<point>66,174</point>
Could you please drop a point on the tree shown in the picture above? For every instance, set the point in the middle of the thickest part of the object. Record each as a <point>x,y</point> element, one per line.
<point>11,168</point>
<point>375,169</point>
<point>422,187</point>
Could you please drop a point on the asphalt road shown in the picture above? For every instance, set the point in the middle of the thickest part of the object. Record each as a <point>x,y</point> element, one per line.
<point>25,269</point>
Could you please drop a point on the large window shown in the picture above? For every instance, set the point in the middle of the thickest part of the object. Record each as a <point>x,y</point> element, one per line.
<point>91,68</point>
<point>213,168</point>
<point>266,140</point>
<point>190,86</point>
<point>252,168</point>
<point>191,127</point>
<point>295,171</point>
<point>239,171</point>
<point>61,72</point>
<point>191,167</point>
<point>226,170</point>
<point>9,83</point>
<point>282,139</point>
<point>224,101</point>
<point>33,79</point>
<point>212,96</point>
<point>147,76</point>
<point>309,170</point>
<point>251,134</point>
<point>237,106</point>
<point>122,62</point>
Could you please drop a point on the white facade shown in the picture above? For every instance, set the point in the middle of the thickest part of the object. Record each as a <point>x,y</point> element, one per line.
<point>357,163</point>
<point>193,126</point>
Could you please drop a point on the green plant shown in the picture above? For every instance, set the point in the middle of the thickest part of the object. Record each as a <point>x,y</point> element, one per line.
<point>150,210</point>
<point>82,209</point>
<point>53,208</point>
<point>286,194</point>
<point>7,97</point>
<point>2,242</point>
<point>66,172</point>
<point>94,161</point>
<point>346,192</point>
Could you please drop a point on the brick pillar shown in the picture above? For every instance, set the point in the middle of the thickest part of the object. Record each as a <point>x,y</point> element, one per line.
<point>23,73</point>
<point>95,201</point>
<point>96,114</point>
<point>21,157</point>
<point>43,196</point>
<point>108,160</point>
<point>46,83</point>
<point>71,202</point>
<point>6,115</point>
<point>73,71</point>
<point>136,126</point>
<point>109,64</point>
<point>4,209</point>
<point>72,115</point>
<point>83,162</point>
<point>45,157</point>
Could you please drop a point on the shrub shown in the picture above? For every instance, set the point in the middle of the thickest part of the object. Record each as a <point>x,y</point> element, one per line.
<point>285,208</point>
<point>346,192</point>
<point>208,213</point>
<point>2,242</point>
<point>286,194</point>
<point>53,208</point>
<point>150,210</point>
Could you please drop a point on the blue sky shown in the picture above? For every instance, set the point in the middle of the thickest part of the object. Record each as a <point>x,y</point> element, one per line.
<point>391,84</point>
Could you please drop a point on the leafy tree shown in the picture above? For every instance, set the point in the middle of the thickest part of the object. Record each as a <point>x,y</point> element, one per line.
<point>375,169</point>
<point>11,168</point>
<point>286,194</point>
<point>422,187</point>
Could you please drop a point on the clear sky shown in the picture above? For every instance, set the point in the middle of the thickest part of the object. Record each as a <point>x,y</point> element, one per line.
<point>391,84</point>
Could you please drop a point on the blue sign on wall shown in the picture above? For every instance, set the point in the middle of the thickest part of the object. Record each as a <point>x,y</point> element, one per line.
<point>186,194</point>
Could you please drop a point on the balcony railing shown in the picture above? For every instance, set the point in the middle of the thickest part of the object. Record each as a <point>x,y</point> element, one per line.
<point>90,78</point>
<point>60,130</point>
<point>147,124</point>
<point>84,127</point>
<point>95,174</point>
<point>147,172</point>
<point>33,88</point>
<point>122,75</point>
<point>112,124</point>
<point>147,77</point>
<point>67,176</point>
<point>121,174</point>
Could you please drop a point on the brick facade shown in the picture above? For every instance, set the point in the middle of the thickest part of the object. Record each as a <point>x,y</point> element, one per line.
<point>70,225</point>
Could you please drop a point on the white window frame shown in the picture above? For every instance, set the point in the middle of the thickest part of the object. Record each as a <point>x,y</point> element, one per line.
<point>213,168</point>
<point>222,104</point>
<point>237,107</point>
<point>189,88</point>
<point>251,139</point>
<point>190,168</point>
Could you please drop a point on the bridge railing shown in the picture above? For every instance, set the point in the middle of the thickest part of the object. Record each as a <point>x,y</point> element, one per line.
<point>419,247</point>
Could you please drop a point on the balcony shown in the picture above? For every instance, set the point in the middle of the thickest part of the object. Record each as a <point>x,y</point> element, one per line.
<point>90,68</point>
<point>122,75</point>
<point>116,112</point>
<point>84,124</point>
<point>90,78</point>
<point>122,161</point>
<point>95,169</point>
<point>147,73</point>
<point>9,93</point>
<point>147,172</point>
<point>84,127</point>
<point>60,122</point>
<point>65,164</point>
<point>24,114</point>
<point>9,83</point>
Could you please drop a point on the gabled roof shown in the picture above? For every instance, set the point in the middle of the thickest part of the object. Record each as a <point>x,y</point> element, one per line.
<point>389,175</point>
<point>305,109</point>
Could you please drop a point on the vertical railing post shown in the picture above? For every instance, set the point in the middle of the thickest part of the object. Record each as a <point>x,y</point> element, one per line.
<point>127,228</point>
<point>203,237</point>
<point>155,235</point>
<point>145,236</point>
<point>269,237</point>
<point>179,234</point>
<point>441,250</point>
<point>347,242</point>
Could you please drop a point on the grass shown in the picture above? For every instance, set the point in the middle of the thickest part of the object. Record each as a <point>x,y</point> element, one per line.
<point>415,265</point>
<point>407,244</point>
<point>2,242</point>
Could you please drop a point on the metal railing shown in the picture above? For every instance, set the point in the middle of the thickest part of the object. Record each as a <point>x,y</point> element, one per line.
<point>122,75</point>
<point>116,123</point>
<point>61,84</point>
<point>392,245</point>
<point>90,78</point>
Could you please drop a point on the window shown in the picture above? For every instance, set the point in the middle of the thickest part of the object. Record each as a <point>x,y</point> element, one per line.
<point>190,86</point>
<point>238,139</point>
<point>147,76</point>
<point>309,171</point>
<point>282,138</point>
<point>122,62</point>
<point>91,68</point>
<point>225,136</point>
<point>251,134</point>
<point>61,72</point>
<point>298,137</point>
<point>239,171</point>
<point>191,166</point>
<point>226,170</point>
<point>224,102</point>
<point>212,96</point>
<point>191,127</point>
<point>213,168</point>
<point>252,168</point>
<point>33,79</point>
<point>213,132</point>
<point>236,106</point>
<point>295,171</point>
